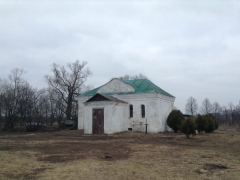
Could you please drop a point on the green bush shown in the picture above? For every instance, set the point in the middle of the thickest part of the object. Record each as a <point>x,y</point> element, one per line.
<point>175,119</point>
<point>211,125</point>
<point>207,123</point>
<point>188,127</point>
<point>201,123</point>
<point>214,120</point>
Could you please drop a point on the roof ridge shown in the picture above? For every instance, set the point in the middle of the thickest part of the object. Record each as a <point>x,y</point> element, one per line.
<point>109,97</point>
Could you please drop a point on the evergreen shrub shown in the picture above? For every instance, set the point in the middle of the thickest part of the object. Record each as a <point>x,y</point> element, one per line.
<point>188,127</point>
<point>175,119</point>
<point>207,123</point>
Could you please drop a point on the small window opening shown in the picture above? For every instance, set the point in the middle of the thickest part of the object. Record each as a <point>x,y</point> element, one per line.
<point>143,110</point>
<point>131,111</point>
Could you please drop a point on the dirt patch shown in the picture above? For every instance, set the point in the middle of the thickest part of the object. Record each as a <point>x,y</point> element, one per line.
<point>211,166</point>
<point>73,155</point>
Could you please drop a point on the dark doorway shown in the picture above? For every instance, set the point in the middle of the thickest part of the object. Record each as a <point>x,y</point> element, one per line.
<point>98,121</point>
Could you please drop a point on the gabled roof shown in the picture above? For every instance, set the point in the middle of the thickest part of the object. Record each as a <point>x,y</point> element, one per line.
<point>102,97</point>
<point>140,86</point>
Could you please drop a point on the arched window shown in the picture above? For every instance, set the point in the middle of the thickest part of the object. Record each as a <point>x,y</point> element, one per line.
<point>131,110</point>
<point>143,110</point>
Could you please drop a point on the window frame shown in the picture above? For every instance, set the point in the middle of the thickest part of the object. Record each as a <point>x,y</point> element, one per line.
<point>143,111</point>
<point>130,111</point>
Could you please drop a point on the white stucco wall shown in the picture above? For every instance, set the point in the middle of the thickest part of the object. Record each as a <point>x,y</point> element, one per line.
<point>81,109</point>
<point>114,116</point>
<point>117,115</point>
<point>157,109</point>
<point>165,107</point>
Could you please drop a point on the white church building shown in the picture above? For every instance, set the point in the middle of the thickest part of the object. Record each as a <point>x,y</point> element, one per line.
<point>124,105</point>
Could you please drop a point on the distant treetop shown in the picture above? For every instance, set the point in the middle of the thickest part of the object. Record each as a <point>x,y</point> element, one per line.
<point>128,77</point>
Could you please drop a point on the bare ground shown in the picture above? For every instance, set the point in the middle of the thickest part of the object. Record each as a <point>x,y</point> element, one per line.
<point>73,155</point>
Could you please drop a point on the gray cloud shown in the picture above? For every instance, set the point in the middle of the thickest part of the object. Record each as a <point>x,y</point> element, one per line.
<point>187,48</point>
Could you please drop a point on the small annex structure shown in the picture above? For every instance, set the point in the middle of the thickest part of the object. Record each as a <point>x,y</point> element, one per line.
<point>123,105</point>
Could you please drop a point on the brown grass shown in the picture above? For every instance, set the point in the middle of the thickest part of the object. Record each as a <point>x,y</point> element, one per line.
<point>73,155</point>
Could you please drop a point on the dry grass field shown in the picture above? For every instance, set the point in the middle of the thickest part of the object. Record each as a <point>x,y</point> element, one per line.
<point>73,155</point>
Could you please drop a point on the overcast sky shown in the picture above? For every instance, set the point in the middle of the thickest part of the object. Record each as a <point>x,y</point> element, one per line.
<point>186,48</point>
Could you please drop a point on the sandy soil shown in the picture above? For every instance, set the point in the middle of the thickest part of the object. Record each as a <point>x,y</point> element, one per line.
<point>73,155</point>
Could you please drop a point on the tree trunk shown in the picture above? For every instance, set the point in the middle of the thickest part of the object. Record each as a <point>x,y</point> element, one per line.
<point>69,108</point>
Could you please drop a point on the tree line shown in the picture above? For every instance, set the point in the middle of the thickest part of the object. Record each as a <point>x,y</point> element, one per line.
<point>229,114</point>
<point>20,103</point>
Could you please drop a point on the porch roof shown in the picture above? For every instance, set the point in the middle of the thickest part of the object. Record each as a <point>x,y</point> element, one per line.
<point>102,97</point>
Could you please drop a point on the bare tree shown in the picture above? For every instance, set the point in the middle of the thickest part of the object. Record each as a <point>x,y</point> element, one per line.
<point>57,110</point>
<point>68,82</point>
<point>129,77</point>
<point>20,102</point>
<point>217,110</point>
<point>232,113</point>
<point>237,110</point>
<point>1,104</point>
<point>191,107</point>
<point>11,97</point>
<point>226,115</point>
<point>207,107</point>
<point>35,107</point>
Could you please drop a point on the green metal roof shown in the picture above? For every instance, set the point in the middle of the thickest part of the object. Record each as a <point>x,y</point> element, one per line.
<point>139,85</point>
